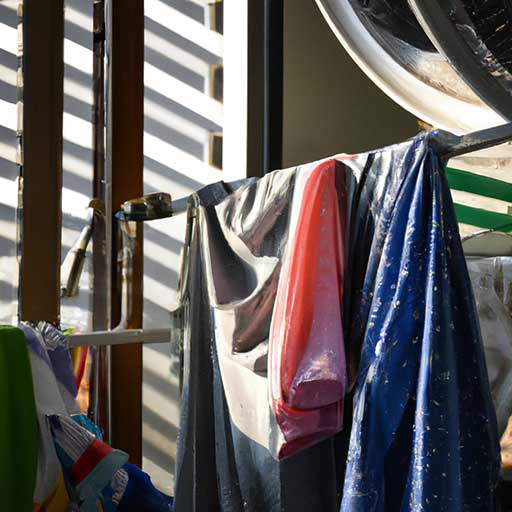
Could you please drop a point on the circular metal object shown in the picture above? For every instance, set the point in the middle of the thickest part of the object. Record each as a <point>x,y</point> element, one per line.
<point>397,56</point>
<point>476,38</point>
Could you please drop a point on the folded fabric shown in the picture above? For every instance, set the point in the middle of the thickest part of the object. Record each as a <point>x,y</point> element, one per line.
<point>58,501</point>
<point>91,467</point>
<point>84,421</point>
<point>491,279</point>
<point>18,423</point>
<point>55,343</point>
<point>424,434</point>
<point>98,477</point>
<point>141,495</point>
<point>48,401</point>
<point>234,248</point>
<point>307,374</point>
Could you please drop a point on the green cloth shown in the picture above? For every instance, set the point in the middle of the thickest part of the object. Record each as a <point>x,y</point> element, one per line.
<point>18,423</point>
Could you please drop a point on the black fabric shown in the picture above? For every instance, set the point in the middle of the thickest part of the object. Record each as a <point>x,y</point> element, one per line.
<point>397,18</point>
<point>195,481</point>
<point>492,24</point>
<point>505,496</point>
<point>218,467</point>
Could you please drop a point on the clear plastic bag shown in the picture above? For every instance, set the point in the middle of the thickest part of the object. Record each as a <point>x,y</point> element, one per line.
<point>307,368</point>
<point>492,280</point>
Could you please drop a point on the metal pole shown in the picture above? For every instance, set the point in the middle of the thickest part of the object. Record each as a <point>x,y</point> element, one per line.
<point>99,408</point>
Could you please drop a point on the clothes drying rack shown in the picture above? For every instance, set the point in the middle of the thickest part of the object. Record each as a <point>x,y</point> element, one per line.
<point>160,205</point>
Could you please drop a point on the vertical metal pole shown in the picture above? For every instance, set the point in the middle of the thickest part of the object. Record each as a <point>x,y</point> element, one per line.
<point>125,126</point>
<point>100,379</point>
<point>256,165</point>
<point>265,86</point>
<point>41,164</point>
<point>101,190</point>
<point>273,85</point>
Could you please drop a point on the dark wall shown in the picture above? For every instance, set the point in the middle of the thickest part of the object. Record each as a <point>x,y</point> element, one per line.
<point>330,106</point>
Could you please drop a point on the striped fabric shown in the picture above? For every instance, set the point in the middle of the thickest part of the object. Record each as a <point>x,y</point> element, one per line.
<point>98,477</point>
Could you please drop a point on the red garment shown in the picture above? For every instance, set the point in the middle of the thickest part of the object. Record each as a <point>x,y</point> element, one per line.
<point>306,353</point>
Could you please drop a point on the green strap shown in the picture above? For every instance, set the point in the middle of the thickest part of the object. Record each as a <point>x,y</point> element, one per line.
<point>483,218</point>
<point>18,423</point>
<point>483,186</point>
<point>480,185</point>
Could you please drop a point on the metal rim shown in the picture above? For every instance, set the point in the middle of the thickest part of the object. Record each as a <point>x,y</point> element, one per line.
<point>424,101</point>
<point>447,36</point>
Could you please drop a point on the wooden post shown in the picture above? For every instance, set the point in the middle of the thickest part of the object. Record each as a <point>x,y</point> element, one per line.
<point>125,125</point>
<point>41,167</point>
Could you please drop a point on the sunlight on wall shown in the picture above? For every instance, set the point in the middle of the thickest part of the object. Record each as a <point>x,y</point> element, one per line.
<point>77,159</point>
<point>8,159</point>
<point>179,116</point>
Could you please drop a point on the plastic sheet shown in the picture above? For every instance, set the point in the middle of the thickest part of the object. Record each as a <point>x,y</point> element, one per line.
<point>307,374</point>
<point>49,400</point>
<point>227,429</point>
<point>424,433</point>
<point>492,282</point>
<point>397,18</point>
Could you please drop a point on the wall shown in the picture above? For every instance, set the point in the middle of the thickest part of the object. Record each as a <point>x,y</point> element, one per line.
<point>179,114</point>
<point>8,158</point>
<point>77,151</point>
<point>330,106</point>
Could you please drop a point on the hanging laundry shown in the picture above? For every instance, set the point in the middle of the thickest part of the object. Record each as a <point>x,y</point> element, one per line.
<point>424,433</point>
<point>307,374</point>
<point>491,279</point>
<point>50,491</point>
<point>506,447</point>
<point>228,432</point>
<point>505,486</point>
<point>99,477</point>
<point>56,346</point>
<point>18,423</point>
<point>253,248</point>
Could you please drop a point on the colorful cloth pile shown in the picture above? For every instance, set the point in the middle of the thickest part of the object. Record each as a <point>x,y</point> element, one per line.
<point>52,457</point>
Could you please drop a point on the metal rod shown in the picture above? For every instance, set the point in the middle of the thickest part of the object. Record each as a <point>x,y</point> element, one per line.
<point>99,405</point>
<point>121,337</point>
<point>73,265</point>
<point>152,206</point>
<point>448,145</point>
<point>159,205</point>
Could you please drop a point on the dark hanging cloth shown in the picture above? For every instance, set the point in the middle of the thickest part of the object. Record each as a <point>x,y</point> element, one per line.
<point>423,433</point>
<point>218,466</point>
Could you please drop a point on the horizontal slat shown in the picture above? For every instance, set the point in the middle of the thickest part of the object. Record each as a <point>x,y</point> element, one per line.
<point>480,185</point>
<point>121,337</point>
<point>483,218</point>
